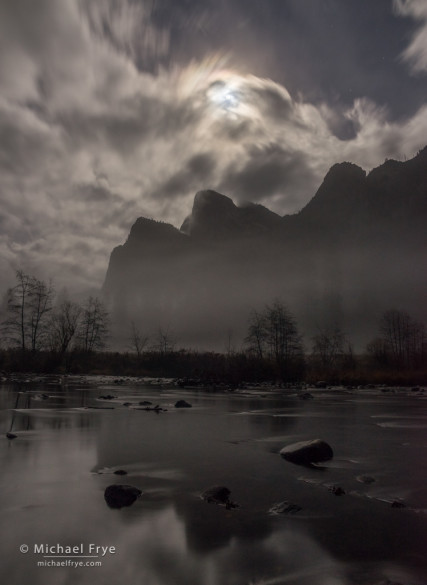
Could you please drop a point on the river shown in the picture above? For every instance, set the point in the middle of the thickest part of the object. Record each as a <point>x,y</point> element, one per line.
<point>54,474</point>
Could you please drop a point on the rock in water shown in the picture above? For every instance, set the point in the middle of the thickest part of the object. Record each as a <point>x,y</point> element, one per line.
<point>307,452</point>
<point>11,436</point>
<point>337,490</point>
<point>285,508</point>
<point>219,494</point>
<point>306,396</point>
<point>119,496</point>
<point>182,404</point>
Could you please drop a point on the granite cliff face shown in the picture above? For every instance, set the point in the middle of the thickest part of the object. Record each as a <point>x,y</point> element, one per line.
<point>357,248</point>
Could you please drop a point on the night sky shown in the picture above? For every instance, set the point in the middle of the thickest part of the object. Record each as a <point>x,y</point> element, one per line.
<point>110,110</point>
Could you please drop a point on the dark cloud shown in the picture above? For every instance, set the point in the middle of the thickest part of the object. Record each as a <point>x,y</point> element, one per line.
<point>273,102</point>
<point>269,172</point>
<point>96,194</point>
<point>194,176</point>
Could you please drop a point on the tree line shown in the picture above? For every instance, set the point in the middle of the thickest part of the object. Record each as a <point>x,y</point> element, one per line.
<point>38,321</point>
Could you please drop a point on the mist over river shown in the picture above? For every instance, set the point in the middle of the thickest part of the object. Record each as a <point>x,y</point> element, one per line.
<point>70,442</point>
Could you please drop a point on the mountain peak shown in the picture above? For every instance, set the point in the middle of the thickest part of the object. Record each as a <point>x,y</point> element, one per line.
<point>344,171</point>
<point>212,199</point>
<point>215,216</point>
<point>338,195</point>
<point>150,230</point>
<point>210,210</point>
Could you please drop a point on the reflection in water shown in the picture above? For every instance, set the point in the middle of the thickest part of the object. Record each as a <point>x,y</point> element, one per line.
<point>55,473</point>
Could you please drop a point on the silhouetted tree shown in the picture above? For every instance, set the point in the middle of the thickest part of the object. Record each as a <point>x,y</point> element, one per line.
<point>41,299</point>
<point>255,339</point>
<point>328,348</point>
<point>402,343</point>
<point>94,326</point>
<point>64,325</point>
<point>29,303</point>
<point>273,335</point>
<point>165,341</point>
<point>138,341</point>
<point>281,333</point>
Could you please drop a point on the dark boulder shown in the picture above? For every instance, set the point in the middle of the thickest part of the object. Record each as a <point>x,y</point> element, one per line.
<point>11,436</point>
<point>219,494</point>
<point>307,452</point>
<point>145,403</point>
<point>337,490</point>
<point>182,404</point>
<point>306,396</point>
<point>120,496</point>
<point>120,472</point>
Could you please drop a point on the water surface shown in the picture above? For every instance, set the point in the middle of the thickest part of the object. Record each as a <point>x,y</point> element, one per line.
<point>55,472</point>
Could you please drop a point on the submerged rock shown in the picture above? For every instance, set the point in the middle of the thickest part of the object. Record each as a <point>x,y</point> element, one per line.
<point>398,504</point>
<point>306,396</point>
<point>145,403</point>
<point>285,508</point>
<point>120,472</point>
<point>182,404</point>
<point>155,409</point>
<point>11,436</point>
<point>120,496</point>
<point>337,490</point>
<point>219,494</point>
<point>307,452</point>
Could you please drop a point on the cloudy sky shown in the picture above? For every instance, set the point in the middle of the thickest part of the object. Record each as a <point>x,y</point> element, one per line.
<point>113,109</point>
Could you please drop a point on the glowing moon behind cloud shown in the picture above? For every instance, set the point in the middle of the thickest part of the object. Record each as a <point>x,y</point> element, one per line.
<point>224,95</point>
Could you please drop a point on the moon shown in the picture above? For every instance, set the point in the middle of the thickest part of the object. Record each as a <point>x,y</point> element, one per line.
<point>224,95</point>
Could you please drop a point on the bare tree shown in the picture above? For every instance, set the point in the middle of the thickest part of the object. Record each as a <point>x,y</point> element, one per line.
<point>94,326</point>
<point>328,347</point>
<point>165,341</point>
<point>255,339</point>
<point>273,334</point>
<point>138,341</point>
<point>377,349</point>
<point>41,298</point>
<point>281,333</point>
<point>64,324</point>
<point>403,341</point>
<point>15,325</point>
<point>29,303</point>
<point>395,327</point>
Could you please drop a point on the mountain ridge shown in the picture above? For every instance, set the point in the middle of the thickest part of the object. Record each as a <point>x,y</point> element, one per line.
<point>357,247</point>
